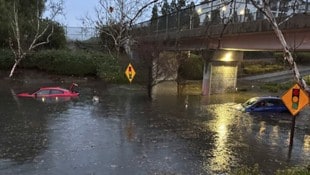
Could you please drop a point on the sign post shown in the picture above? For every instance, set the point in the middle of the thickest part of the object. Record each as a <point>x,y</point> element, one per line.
<point>295,99</point>
<point>130,72</point>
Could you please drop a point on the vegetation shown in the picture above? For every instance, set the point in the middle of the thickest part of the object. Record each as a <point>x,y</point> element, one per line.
<point>191,68</point>
<point>247,170</point>
<point>25,29</point>
<point>261,67</point>
<point>298,56</point>
<point>73,63</point>
<point>255,170</point>
<point>275,87</point>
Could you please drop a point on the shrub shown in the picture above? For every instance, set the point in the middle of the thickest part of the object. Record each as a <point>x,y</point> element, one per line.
<point>192,68</point>
<point>6,59</point>
<point>63,62</point>
<point>109,69</point>
<point>76,63</point>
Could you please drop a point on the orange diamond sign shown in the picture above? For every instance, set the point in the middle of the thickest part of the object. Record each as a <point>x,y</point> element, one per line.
<point>295,99</point>
<point>130,72</point>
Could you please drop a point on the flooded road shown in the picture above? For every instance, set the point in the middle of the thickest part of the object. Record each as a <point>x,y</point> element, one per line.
<point>127,133</point>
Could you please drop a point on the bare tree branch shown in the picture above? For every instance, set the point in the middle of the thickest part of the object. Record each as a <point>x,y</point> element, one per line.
<point>265,9</point>
<point>140,11</point>
<point>22,48</point>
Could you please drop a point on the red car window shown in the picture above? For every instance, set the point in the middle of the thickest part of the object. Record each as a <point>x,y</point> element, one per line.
<point>43,92</point>
<point>56,91</point>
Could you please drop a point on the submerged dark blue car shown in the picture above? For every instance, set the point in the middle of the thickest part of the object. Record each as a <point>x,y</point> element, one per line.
<point>264,104</point>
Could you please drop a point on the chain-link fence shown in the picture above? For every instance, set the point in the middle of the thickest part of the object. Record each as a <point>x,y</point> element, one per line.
<point>80,33</point>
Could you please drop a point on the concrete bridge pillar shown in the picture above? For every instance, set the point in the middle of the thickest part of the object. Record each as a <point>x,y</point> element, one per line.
<point>220,72</point>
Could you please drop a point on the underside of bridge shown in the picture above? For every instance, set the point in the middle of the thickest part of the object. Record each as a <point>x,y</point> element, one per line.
<point>219,75</point>
<point>229,41</point>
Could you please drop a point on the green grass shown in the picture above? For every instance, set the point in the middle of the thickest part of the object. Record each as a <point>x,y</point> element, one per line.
<point>253,69</point>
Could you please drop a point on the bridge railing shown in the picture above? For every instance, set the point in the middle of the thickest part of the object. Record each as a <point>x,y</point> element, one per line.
<point>213,13</point>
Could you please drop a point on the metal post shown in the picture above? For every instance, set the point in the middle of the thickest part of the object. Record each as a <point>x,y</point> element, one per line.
<point>167,23</point>
<point>292,136</point>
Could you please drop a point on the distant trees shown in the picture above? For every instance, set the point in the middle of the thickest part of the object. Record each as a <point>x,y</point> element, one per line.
<point>154,18</point>
<point>177,14</point>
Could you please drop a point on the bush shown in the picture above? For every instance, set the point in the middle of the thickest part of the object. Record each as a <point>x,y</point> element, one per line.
<point>6,59</point>
<point>192,68</point>
<point>76,63</point>
<point>109,69</point>
<point>62,62</point>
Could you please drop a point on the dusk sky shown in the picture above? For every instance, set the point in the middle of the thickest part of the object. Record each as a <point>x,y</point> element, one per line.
<point>77,9</point>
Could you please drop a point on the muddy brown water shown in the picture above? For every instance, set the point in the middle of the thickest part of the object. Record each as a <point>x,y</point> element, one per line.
<point>128,133</point>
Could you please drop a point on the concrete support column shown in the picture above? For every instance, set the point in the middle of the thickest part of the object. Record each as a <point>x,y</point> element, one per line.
<point>206,78</point>
<point>220,73</point>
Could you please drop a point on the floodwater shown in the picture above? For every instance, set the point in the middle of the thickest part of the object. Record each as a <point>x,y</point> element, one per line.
<point>127,133</point>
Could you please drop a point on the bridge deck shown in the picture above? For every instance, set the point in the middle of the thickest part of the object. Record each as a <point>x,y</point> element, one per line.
<point>256,35</point>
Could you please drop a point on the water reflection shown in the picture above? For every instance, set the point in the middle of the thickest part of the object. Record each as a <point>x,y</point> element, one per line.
<point>127,133</point>
<point>23,128</point>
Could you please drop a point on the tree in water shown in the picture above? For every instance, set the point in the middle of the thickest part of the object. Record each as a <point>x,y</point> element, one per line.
<point>28,28</point>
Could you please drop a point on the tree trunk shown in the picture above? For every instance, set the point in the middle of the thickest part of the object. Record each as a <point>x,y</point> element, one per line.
<point>14,67</point>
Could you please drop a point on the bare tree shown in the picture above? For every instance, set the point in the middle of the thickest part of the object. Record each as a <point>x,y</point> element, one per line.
<point>264,7</point>
<point>115,18</point>
<point>22,43</point>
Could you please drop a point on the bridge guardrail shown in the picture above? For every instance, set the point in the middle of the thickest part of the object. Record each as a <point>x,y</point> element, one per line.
<point>208,14</point>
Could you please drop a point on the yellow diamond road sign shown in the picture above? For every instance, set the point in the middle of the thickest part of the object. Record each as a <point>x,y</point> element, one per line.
<point>130,72</point>
<point>295,99</point>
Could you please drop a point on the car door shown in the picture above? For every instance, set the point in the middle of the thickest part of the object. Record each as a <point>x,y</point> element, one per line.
<point>259,106</point>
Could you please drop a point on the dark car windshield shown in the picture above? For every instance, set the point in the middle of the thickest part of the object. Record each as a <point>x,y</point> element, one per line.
<point>250,102</point>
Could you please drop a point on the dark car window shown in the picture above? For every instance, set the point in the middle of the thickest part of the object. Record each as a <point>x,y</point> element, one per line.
<point>55,91</point>
<point>274,102</point>
<point>43,92</point>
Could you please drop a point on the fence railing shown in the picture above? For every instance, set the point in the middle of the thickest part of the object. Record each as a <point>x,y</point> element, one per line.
<point>80,33</point>
<point>214,13</point>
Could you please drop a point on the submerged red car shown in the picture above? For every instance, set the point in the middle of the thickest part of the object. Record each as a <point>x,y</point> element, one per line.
<point>52,92</point>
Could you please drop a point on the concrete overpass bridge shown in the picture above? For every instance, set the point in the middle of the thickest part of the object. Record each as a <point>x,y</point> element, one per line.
<point>227,39</point>
<point>245,36</point>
